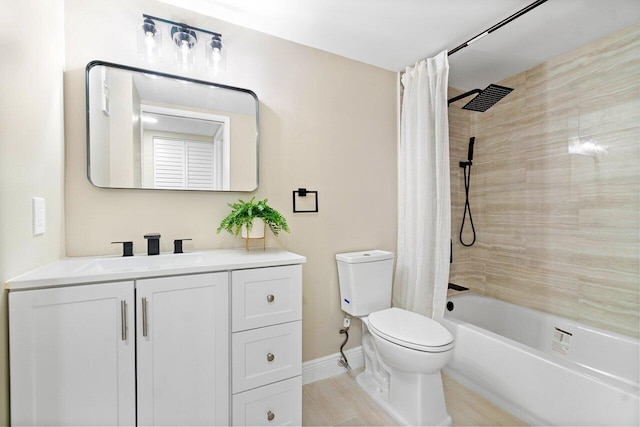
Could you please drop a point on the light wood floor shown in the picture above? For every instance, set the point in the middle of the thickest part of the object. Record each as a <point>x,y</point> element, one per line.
<point>339,401</point>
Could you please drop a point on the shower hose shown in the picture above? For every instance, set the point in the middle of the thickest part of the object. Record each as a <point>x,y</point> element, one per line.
<point>467,207</point>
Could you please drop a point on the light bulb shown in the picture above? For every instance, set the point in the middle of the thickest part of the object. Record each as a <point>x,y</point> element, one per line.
<point>150,44</point>
<point>184,49</point>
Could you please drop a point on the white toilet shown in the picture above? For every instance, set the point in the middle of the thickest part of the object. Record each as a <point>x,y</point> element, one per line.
<point>404,351</point>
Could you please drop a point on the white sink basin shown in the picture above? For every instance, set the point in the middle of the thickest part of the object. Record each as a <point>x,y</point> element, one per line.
<point>141,262</point>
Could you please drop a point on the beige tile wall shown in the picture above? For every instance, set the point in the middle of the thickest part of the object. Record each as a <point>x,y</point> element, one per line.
<point>557,232</point>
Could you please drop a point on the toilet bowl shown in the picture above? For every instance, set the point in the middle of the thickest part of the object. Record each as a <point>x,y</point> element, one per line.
<point>403,351</point>
<point>409,341</point>
<point>412,349</point>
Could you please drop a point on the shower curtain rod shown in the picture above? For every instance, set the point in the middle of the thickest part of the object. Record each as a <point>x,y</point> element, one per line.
<point>498,25</point>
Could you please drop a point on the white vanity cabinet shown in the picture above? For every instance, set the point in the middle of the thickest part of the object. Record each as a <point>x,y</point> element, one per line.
<point>76,355</point>
<point>267,346</point>
<point>72,354</point>
<point>215,343</point>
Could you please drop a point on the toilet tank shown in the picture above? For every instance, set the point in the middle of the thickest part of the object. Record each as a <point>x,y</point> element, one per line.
<point>365,281</point>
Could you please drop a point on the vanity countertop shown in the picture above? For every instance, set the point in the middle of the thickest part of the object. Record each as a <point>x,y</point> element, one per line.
<point>70,271</point>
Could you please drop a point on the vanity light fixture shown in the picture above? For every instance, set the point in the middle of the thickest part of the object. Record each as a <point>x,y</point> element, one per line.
<point>216,58</point>
<point>185,41</point>
<point>149,41</point>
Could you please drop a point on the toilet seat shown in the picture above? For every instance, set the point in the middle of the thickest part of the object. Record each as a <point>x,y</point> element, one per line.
<point>410,330</point>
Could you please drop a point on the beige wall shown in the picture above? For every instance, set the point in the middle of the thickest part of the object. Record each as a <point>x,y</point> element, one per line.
<point>557,232</point>
<point>31,146</point>
<point>327,123</point>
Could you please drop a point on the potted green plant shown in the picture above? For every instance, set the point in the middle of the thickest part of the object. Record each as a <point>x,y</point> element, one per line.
<point>245,217</point>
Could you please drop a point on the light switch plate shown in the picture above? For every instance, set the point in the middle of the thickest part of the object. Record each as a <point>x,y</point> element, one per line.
<point>39,216</point>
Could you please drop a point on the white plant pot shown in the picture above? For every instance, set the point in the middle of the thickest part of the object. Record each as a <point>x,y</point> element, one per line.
<point>257,230</point>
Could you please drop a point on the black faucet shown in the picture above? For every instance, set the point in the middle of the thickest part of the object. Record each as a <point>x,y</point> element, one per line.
<point>177,246</point>
<point>153,243</point>
<point>127,248</point>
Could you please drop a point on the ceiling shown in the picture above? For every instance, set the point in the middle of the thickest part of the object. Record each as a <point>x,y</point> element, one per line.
<point>180,124</point>
<point>393,34</point>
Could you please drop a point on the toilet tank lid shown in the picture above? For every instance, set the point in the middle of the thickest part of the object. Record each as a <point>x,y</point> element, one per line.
<point>364,256</point>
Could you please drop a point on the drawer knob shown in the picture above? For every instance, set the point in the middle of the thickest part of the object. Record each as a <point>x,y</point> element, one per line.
<point>270,298</point>
<point>270,357</point>
<point>270,416</point>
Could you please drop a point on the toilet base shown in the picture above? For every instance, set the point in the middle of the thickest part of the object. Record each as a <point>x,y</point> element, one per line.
<point>374,391</point>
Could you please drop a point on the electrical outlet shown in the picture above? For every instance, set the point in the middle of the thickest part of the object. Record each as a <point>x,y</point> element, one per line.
<point>346,322</point>
<point>39,215</point>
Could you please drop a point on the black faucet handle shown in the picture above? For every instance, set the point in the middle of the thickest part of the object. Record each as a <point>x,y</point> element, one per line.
<point>177,245</point>
<point>153,243</point>
<point>127,248</point>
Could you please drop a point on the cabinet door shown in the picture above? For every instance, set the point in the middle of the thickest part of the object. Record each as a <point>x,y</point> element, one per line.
<point>183,350</point>
<point>72,355</point>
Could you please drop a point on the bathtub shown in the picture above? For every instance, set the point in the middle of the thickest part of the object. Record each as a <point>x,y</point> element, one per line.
<point>543,369</point>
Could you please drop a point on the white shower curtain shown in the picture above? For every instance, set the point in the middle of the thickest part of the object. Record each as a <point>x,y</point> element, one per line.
<point>424,199</point>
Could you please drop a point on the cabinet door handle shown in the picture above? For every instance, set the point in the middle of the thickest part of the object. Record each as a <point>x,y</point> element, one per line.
<point>270,357</point>
<point>270,416</point>
<point>270,298</point>
<point>123,319</point>
<point>144,317</point>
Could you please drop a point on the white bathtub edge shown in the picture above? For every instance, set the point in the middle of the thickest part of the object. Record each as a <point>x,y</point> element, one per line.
<point>501,403</point>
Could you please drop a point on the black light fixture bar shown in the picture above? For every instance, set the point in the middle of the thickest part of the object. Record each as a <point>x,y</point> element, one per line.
<point>155,18</point>
<point>498,25</point>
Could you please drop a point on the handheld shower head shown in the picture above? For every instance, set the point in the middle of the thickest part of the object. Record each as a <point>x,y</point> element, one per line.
<point>469,161</point>
<point>472,140</point>
<point>484,99</point>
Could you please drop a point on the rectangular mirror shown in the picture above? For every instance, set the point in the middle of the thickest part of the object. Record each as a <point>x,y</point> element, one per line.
<point>153,130</point>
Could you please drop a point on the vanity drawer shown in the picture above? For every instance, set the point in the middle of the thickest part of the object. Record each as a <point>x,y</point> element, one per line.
<point>272,405</point>
<point>266,296</point>
<point>266,355</point>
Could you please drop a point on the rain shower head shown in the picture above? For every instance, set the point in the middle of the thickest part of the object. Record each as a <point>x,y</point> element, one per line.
<point>487,98</point>
<point>484,99</point>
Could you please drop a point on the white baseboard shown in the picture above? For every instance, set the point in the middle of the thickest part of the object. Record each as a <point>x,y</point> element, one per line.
<point>326,367</point>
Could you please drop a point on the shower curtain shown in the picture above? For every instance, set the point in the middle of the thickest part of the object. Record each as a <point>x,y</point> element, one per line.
<point>424,200</point>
